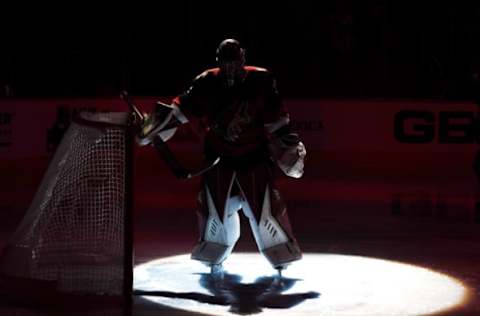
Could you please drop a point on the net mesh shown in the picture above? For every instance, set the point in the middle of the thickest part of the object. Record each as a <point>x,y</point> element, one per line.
<point>74,231</point>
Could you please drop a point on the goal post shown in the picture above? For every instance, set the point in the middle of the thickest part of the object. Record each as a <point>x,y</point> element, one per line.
<point>77,234</point>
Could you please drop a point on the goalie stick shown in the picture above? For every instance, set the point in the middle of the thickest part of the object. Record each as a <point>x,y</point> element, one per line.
<point>162,148</point>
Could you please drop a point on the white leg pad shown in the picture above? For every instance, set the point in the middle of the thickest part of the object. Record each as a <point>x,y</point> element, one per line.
<point>270,237</point>
<point>220,236</point>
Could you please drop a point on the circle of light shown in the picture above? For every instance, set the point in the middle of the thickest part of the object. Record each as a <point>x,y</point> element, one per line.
<point>348,285</point>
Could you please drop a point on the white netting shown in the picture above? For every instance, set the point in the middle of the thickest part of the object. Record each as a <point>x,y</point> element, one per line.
<point>73,233</point>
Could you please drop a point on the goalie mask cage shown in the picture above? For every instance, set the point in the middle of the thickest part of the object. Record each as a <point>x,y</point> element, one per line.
<point>76,237</point>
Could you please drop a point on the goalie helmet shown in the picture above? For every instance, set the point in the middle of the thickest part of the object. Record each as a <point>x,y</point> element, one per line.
<point>231,59</point>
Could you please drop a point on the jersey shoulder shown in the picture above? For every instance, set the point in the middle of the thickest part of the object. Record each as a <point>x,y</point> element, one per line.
<point>259,74</point>
<point>256,70</point>
<point>207,74</point>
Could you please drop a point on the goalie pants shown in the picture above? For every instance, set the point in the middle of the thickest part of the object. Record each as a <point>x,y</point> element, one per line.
<point>224,192</point>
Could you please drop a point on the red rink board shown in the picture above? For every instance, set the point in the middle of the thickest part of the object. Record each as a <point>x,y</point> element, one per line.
<point>350,137</point>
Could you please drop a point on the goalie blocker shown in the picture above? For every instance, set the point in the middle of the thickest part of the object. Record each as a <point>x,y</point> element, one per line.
<point>159,127</point>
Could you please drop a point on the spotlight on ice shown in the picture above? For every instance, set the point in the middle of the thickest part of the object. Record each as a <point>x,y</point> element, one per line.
<point>319,284</point>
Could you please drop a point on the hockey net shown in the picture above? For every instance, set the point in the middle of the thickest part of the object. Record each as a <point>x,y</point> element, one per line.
<point>76,235</point>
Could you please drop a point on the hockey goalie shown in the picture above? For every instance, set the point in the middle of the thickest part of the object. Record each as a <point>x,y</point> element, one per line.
<point>247,132</point>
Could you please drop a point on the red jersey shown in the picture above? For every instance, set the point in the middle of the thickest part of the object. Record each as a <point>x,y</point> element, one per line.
<point>234,116</point>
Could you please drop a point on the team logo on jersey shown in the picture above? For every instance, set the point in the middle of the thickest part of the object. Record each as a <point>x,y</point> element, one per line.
<point>238,123</point>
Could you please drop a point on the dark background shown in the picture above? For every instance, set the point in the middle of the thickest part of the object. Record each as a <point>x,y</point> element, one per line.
<point>341,48</point>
